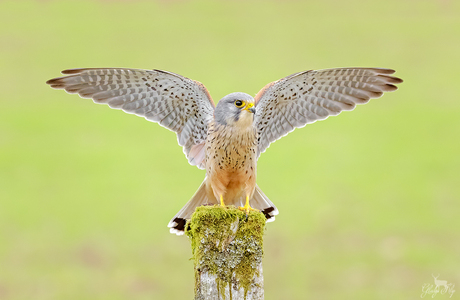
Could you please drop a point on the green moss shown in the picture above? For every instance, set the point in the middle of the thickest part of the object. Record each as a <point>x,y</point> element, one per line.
<point>228,244</point>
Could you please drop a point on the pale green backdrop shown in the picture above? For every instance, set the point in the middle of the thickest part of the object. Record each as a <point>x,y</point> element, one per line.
<point>369,200</point>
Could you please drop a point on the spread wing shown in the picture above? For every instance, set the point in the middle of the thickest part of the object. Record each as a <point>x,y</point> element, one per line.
<point>175,102</point>
<point>306,97</point>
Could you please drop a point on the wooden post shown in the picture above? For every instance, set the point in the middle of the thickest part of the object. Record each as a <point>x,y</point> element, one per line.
<point>227,250</point>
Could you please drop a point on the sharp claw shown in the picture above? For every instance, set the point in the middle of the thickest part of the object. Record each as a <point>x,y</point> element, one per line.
<point>247,209</point>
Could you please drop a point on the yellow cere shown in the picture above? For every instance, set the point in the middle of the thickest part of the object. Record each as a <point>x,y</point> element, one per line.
<point>249,106</point>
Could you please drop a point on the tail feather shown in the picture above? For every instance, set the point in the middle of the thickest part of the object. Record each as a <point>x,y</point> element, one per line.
<point>259,201</point>
<point>177,224</point>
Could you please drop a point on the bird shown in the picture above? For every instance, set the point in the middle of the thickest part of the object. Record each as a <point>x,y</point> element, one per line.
<point>227,139</point>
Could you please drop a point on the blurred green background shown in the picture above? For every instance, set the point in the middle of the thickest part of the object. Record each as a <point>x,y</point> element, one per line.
<point>369,200</point>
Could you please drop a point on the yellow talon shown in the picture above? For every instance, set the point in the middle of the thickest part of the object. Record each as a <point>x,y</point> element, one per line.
<point>247,208</point>
<point>222,201</point>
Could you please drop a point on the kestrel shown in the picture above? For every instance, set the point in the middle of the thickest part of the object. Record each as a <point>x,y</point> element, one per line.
<point>227,139</point>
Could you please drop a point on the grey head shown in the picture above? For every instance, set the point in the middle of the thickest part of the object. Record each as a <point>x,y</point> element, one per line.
<point>235,108</point>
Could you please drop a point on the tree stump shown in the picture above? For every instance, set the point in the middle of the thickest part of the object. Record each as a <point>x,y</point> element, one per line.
<point>227,249</point>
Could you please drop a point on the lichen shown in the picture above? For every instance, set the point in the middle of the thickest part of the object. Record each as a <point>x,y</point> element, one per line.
<point>228,244</point>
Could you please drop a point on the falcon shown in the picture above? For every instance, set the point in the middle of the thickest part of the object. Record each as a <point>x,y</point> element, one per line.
<point>226,140</point>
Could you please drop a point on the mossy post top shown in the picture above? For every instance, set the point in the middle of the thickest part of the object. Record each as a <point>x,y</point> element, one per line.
<point>227,247</point>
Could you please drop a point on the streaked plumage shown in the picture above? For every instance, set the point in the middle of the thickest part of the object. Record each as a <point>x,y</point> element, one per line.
<point>227,139</point>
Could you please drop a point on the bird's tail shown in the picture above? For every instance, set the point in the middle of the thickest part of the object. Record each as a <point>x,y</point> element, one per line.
<point>177,224</point>
<point>258,201</point>
<point>261,202</point>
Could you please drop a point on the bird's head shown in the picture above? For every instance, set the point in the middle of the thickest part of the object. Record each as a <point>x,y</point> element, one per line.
<point>235,109</point>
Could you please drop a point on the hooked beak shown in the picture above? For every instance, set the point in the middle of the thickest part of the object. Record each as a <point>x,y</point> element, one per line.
<point>250,107</point>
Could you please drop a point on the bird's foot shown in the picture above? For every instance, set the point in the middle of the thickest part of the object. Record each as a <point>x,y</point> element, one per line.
<point>247,208</point>
<point>222,201</point>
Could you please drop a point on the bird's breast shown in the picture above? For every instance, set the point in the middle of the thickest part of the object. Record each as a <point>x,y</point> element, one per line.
<point>231,149</point>
<point>231,156</point>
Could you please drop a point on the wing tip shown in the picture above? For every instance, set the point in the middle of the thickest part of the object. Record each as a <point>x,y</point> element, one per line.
<point>56,83</point>
<point>52,82</point>
<point>73,71</point>
<point>390,88</point>
<point>59,82</point>
<point>384,70</point>
<point>391,79</point>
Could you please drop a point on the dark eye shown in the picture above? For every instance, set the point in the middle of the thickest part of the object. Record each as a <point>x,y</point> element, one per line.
<point>239,103</point>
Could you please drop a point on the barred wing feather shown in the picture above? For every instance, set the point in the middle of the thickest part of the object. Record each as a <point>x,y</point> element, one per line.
<point>175,102</point>
<point>306,97</point>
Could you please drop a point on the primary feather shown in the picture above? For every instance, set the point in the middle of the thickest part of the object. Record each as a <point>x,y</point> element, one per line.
<point>309,96</point>
<point>175,102</point>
